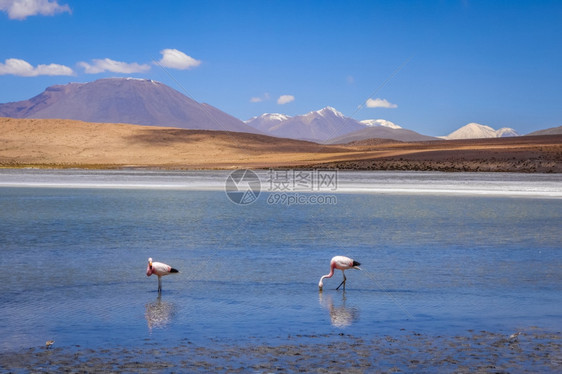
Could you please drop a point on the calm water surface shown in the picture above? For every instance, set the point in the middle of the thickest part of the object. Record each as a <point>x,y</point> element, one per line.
<point>74,259</point>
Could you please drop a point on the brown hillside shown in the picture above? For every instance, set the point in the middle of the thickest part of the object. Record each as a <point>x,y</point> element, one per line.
<point>68,143</point>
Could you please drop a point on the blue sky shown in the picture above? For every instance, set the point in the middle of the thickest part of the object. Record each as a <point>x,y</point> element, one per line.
<point>498,63</point>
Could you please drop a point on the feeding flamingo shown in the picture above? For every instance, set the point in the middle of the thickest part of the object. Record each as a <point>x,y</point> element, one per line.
<point>343,263</point>
<point>159,269</point>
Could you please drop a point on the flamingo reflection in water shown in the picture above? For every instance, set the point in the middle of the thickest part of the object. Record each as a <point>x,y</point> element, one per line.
<point>159,313</point>
<point>340,316</point>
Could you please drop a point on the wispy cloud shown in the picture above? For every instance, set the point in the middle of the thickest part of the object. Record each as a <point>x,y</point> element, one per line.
<point>174,59</point>
<point>21,9</point>
<point>106,64</point>
<point>22,68</point>
<point>285,99</point>
<point>259,99</point>
<point>380,103</point>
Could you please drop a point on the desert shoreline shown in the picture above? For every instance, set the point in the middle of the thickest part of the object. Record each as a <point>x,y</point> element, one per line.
<point>63,144</point>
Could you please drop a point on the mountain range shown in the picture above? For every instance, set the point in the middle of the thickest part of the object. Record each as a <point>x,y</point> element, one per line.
<point>147,102</point>
<point>330,126</point>
<point>151,103</point>
<point>316,126</point>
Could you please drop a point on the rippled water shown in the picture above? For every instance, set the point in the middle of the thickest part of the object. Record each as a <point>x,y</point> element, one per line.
<point>74,259</point>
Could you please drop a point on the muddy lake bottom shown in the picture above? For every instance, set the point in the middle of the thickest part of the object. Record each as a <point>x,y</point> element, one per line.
<point>531,350</point>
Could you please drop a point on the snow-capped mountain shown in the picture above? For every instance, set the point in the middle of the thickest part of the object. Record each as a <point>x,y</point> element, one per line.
<point>327,111</point>
<point>328,125</point>
<point>266,121</point>
<point>379,122</point>
<point>476,130</point>
<point>506,131</point>
<point>317,125</point>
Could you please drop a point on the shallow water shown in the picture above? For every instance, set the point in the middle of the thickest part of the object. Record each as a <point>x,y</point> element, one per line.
<point>74,261</point>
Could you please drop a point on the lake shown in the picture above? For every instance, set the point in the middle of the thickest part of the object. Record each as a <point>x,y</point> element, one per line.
<point>441,255</point>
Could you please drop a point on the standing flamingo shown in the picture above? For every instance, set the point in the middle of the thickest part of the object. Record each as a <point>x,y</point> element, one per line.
<point>159,269</point>
<point>343,263</point>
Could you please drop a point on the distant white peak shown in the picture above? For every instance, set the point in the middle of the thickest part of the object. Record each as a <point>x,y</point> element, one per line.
<point>506,131</point>
<point>275,116</point>
<point>379,122</point>
<point>328,110</point>
<point>477,126</point>
<point>476,130</point>
<point>270,117</point>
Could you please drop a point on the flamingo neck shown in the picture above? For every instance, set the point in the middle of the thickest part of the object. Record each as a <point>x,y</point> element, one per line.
<point>321,283</point>
<point>332,267</point>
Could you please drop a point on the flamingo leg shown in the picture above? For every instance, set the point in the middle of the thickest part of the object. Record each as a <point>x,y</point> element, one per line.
<point>342,282</point>
<point>159,284</point>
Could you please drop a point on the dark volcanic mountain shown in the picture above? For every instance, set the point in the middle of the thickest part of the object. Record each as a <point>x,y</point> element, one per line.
<point>550,131</point>
<point>381,132</point>
<point>124,100</point>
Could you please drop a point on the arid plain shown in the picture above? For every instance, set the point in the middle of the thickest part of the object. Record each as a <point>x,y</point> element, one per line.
<point>53,143</point>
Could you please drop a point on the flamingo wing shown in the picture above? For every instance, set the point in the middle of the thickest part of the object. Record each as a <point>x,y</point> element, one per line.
<point>342,262</point>
<point>160,269</point>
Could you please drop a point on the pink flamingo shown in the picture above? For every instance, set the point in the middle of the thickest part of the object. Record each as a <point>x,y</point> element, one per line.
<point>343,263</point>
<point>159,269</point>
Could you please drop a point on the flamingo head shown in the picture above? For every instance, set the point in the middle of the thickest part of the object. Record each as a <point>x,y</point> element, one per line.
<point>320,285</point>
<point>149,267</point>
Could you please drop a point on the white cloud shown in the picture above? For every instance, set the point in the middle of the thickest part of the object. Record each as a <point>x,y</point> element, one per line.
<point>22,68</point>
<point>285,99</point>
<point>380,103</point>
<point>174,59</point>
<point>259,99</point>
<point>106,64</point>
<point>21,9</point>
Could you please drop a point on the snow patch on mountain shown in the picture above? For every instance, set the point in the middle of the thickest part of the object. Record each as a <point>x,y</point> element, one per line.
<point>379,122</point>
<point>278,117</point>
<point>328,111</point>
